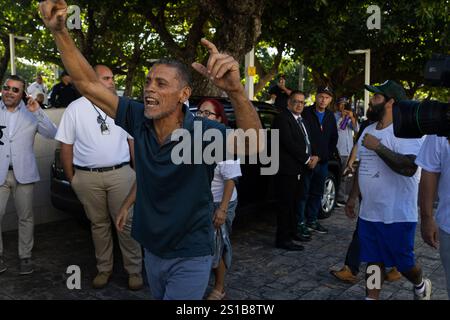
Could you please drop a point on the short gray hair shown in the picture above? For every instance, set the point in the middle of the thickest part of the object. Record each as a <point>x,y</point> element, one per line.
<point>183,71</point>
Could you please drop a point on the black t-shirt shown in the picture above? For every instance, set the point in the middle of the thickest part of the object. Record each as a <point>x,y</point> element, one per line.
<point>63,95</point>
<point>174,204</point>
<point>282,97</point>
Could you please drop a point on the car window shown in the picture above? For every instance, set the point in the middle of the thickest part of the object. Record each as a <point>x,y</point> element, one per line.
<point>265,111</point>
<point>266,117</point>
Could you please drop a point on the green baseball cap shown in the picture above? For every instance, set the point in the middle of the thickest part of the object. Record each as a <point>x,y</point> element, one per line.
<point>389,89</point>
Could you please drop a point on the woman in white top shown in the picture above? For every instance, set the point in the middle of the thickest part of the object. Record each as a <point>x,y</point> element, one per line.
<point>225,201</point>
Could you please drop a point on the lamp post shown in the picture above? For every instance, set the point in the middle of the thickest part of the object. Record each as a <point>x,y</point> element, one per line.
<point>366,75</point>
<point>250,73</point>
<point>12,50</point>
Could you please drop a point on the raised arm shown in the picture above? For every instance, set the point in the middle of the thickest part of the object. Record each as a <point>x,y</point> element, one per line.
<point>54,14</point>
<point>45,127</point>
<point>223,71</point>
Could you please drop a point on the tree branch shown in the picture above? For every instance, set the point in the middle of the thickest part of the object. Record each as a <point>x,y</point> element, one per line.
<point>158,22</point>
<point>265,77</point>
<point>195,35</point>
<point>5,59</point>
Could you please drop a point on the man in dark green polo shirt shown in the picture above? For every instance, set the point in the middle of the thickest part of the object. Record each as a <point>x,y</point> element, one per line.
<point>172,216</point>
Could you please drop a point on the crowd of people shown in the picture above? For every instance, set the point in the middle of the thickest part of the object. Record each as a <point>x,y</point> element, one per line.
<point>116,154</point>
<point>60,96</point>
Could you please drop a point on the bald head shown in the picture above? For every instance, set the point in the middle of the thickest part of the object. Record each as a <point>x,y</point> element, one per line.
<point>106,77</point>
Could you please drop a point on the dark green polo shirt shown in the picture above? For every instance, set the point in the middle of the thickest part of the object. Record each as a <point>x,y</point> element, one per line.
<point>173,210</point>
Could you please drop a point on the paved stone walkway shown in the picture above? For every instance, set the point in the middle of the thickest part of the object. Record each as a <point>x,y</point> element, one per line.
<point>259,270</point>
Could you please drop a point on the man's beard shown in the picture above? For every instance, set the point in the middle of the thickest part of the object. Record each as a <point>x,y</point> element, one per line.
<point>376,112</point>
<point>162,114</point>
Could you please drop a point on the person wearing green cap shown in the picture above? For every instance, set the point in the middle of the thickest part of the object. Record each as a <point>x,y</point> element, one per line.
<point>387,179</point>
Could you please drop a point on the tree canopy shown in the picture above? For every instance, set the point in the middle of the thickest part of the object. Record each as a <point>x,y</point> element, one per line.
<point>129,35</point>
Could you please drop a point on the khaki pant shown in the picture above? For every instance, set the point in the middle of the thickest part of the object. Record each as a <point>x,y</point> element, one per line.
<point>102,194</point>
<point>23,200</point>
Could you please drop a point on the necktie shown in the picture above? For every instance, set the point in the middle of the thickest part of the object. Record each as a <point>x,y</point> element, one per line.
<point>305,135</point>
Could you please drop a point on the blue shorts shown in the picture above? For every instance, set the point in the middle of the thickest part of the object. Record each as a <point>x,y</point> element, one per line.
<point>391,244</point>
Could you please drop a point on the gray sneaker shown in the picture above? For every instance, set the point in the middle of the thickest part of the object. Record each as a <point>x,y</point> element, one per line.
<point>3,266</point>
<point>26,266</point>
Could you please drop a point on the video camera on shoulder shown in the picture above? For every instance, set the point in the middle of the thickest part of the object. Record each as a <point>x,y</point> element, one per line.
<point>413,119</point>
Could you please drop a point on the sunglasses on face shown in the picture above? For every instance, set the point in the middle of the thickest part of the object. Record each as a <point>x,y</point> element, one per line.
<point>207,113</point>
<point>13,89</point>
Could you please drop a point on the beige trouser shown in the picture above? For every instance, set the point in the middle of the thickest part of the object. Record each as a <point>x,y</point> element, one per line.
<point>102,194</point>
<point>23,200</point>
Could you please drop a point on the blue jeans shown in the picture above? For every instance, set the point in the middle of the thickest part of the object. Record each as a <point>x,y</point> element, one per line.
<point>444,250</point>
<point>313,182</point>
<point>178,278</point>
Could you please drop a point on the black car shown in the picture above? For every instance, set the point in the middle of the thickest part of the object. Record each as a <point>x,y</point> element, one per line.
<point>254,190</point>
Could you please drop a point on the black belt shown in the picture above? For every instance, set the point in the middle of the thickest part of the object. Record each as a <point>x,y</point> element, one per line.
<point>102,169</point>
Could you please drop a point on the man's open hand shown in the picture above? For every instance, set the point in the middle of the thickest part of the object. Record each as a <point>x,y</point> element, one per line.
<point>222,69</point>
<point>54,14</point>
<point>32,105</point>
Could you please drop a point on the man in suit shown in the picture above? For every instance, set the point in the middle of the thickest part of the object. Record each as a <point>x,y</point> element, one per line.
<point>18,167</point>
<point>295,155</point>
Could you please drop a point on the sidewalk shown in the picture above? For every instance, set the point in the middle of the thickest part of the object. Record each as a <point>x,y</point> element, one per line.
<point>259,270</point>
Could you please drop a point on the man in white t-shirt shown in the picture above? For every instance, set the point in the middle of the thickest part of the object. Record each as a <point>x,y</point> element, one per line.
<point>95,154</point>
<point>387,179</point>
<point>434,158</point>
<point>38,87</point>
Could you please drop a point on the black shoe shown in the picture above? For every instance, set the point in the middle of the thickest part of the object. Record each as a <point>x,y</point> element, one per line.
<point>322,215</point>
<point>26,266</point>
<point>301,237</point>
<point>315,226</point>
<point>290,246</point>
<point>303,230</point>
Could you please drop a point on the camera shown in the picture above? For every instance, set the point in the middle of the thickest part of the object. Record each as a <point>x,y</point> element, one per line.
<point>413,119</point>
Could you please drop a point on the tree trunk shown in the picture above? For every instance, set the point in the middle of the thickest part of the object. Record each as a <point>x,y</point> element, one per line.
<point>240,28</point>
<point>132,68</point>
<point>5,59</point>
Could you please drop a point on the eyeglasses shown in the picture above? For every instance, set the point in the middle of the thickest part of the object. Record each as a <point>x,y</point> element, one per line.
<point>298,101</point>
<point>207,113</point>
<point>13,89</point>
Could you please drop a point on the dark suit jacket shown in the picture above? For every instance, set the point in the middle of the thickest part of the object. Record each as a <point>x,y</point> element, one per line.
<point>292,144</point>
